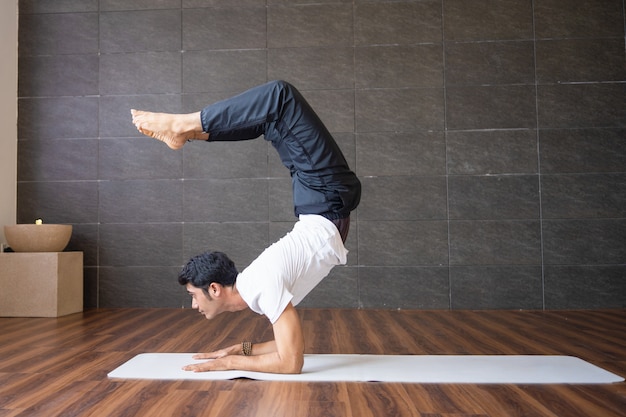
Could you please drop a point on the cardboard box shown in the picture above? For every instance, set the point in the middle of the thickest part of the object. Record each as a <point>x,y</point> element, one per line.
<point>43,284</point>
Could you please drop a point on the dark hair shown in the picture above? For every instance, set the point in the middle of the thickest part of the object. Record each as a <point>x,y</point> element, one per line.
<point>203,269</point>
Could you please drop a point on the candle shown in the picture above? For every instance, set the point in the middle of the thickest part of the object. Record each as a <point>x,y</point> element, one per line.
<point>38,221</point>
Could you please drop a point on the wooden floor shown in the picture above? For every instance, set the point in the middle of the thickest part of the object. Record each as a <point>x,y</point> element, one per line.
<point>58,367</point>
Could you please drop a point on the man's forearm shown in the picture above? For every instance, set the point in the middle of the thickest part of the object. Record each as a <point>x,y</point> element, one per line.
<point>263,348</point>
<point>265,358</point>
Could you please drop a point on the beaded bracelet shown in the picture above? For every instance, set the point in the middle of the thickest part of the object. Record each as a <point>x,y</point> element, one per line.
<point>246,348</point>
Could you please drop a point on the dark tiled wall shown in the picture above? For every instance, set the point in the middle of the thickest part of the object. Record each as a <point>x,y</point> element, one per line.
<point>488,134</point>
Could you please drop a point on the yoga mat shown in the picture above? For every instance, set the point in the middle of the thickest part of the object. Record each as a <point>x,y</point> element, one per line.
<point>440,369</point>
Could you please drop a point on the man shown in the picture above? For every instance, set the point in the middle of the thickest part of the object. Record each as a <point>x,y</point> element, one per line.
<point>325,191</point>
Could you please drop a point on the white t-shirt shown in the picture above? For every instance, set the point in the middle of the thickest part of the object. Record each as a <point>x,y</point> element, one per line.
<point>290,268</point>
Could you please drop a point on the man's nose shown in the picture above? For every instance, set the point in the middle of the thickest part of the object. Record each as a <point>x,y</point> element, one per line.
<point>194,304</point>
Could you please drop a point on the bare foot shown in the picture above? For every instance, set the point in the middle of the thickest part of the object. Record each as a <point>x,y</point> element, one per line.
<point>172,129</point>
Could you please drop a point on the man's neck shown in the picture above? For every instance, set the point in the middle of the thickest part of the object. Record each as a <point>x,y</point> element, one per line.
<point>235,301</point>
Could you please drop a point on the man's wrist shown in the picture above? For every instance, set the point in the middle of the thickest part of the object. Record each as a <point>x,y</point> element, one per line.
<point>246,348</point>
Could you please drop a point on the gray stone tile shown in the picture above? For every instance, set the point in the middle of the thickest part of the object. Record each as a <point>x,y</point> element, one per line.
<point>140,201</point>
<point>192,102</point>
<point>493,197</point>
<point>501,242</point>
<point>242,242</point>
<point>397,23</point>
<point>283,2</point>
<point>57,202</point>
<point>63,6</point>
<point>580,60</point>
<point>148,244</point>
<point>488,20</point>
<point>585,287</point>
<point>137,158</point>
<point>490,63</point>
<point>115,119</point>
<point>338,290</point>
<point>280,229</point>
<point>67,75</point>
<point>225,200</point>
<point>38,118</point>
<point>403,198</point>
<point>567,106</point>
<point>576,196</point>
<point>239,159</point>
<point>410,153</point>
<point>220,3</point>
<point>281,200</point>
<point>57,160</point>
<point>493,107</point>
<point>582,150</point>
<point>309,25</point>
<point>141,287</point>
<point>312,68</point>
<point>584,242</point>
<point>399,66</point>
<point>403,243</point>
<point>140,31</point>
<point>58,34</point>
<point>223,71</point>
<point>336,108</point>
<point>224,28</point>
<point>492,152</point>
<point>85,239</point>
<point>106,5</point>
<point>404,287</point>
<point>399,110</point>
<point>140,73</point>
<point>578,18</point>
<point>496,287</point>
<point>90,287</point>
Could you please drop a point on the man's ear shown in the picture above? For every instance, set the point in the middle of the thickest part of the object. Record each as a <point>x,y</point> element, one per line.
<point>215,290</point>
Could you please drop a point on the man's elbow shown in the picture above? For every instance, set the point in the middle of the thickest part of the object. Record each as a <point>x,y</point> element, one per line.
<point>294,364</point>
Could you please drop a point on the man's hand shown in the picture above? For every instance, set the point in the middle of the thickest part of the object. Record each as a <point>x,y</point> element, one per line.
<point>232,350</point>
<point>211,365</point>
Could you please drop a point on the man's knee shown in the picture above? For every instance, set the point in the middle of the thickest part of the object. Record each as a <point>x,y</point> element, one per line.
<point>283,86</point>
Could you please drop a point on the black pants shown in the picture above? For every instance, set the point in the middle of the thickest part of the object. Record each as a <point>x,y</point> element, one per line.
<point>322,181</point>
